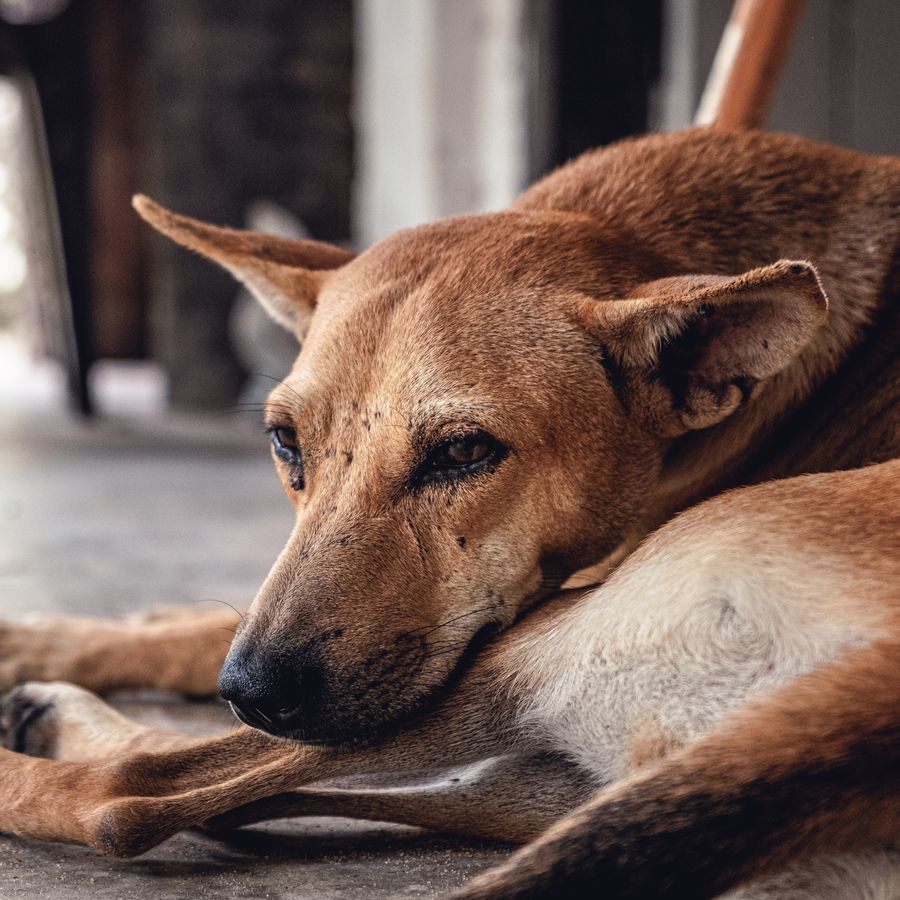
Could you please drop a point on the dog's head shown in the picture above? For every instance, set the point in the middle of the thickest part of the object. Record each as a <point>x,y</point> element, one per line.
<point>481,407</point>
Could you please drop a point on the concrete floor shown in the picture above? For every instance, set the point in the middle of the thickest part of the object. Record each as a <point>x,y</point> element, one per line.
<point>117,516</point>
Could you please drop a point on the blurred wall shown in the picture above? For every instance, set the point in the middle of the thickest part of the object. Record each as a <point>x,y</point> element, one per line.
<point>244,101</point>
<point>359,117</point>
<point>460,105</point>
<point>841,82</point>
<point>441,110</point>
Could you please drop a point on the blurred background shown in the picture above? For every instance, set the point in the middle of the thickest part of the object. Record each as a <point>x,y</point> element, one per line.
<point>336,119</point>
<point>133,469</point>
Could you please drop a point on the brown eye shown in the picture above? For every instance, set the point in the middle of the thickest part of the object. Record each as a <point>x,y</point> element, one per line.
<point>465,452</point>
<point>284,443</point>
<point>460,456</point>
<point>284,440</point>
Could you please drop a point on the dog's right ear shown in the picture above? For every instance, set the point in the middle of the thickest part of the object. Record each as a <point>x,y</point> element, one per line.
<point>689,350</point>
<point>284,274</point>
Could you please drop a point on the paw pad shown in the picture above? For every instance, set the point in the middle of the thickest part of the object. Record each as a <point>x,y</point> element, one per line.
<point>23,721</point>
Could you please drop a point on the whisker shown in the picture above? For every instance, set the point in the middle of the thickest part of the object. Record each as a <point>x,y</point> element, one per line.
<point>230,412</point>
<point>471,612</point>
<point>224,603</point>
<point>278,381</point>
<point>445,652</point>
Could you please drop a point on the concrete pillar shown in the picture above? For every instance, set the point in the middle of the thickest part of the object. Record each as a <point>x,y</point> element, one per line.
<point>442,110</point>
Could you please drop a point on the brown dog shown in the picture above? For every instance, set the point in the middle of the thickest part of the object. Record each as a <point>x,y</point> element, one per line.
<point>486,405</point>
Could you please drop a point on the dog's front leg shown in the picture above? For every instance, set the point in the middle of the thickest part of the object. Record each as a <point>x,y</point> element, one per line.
<point>177,649</point>
<point>62,721</point>
<point>133,802</point>
<point>507,798</point>
<point>512,797</point>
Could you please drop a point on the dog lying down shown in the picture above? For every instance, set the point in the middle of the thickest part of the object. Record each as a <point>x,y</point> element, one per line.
<point>482,407</point>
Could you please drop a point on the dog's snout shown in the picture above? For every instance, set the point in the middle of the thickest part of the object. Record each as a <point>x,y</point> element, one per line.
<point>270,691</point>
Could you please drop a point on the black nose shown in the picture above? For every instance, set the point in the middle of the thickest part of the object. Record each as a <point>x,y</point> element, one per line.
<point>268,690</point>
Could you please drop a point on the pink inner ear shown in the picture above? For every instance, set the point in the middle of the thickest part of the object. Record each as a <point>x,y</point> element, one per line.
<point>757,332</point>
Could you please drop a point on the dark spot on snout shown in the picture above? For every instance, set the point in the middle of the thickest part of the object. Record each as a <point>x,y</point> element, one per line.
<point>366,424</point>
<point>329,452</point>
<point>348,455</point>
<point>461,540</point>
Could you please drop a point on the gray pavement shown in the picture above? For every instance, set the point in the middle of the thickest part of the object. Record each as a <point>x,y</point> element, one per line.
<point>112,517</point>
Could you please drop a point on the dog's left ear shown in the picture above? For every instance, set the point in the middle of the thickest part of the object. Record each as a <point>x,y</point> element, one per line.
<point>691,349</point>
<point>284,274</point>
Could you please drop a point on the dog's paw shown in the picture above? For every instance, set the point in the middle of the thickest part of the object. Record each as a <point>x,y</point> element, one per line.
<point>57,720</point>
<point>21,729</point>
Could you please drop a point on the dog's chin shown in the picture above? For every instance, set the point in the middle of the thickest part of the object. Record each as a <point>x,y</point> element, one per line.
<point>314,737</point>
<point>372,726</point>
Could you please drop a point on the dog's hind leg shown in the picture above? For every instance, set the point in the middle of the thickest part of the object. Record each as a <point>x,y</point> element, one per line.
<point>180,650</point>
<point>777,668</point>
<point>813,769</point>
<point>507,798</point>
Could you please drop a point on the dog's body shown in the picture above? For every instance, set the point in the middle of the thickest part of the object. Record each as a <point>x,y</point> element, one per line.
<point>553,382</point>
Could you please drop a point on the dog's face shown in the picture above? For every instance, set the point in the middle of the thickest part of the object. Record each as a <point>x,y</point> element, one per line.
<point>476,413</point>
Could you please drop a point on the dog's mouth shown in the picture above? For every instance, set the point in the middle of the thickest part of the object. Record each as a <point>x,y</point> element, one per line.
<point>255,718</point>
<point>322,729</point>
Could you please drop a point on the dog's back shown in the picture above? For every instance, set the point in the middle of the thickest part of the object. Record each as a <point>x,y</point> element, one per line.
<point>703,200</point>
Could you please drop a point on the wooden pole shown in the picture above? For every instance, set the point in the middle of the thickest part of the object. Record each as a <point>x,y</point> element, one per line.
<point>751,55</point>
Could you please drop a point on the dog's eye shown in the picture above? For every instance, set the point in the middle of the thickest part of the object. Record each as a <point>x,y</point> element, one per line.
<point>461,455</point>
<point>284,443</point>
<point>463,451</point>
